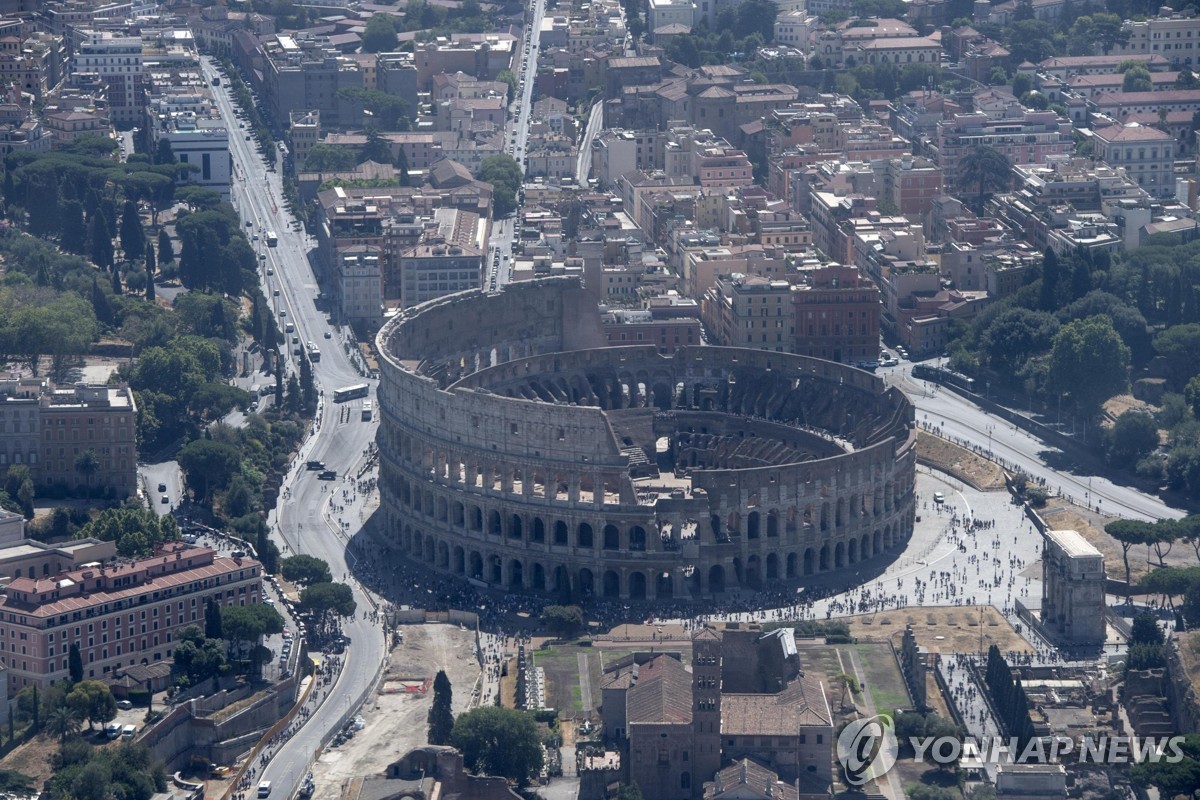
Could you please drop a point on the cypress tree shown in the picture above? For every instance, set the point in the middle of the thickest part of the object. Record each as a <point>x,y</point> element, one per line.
<point>75,664</point>
<point>1050,276</point>
<point>441,718</point>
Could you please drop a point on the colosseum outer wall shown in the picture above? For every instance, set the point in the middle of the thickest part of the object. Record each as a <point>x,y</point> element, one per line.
<point>537,495</point>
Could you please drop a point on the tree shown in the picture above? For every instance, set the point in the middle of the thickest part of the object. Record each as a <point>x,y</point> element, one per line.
<point>376,149</point>
<point>197,658</point>
<point>133,240</point>
<point>86,464</point>
<point>1132,438</point>
<point>166,251</point>
<point>327,600</point>
<point>93,701</point>
<point>163,153</point>
<point>305,570</point>
<point>208,465</point>
<point>136,531</point>
<point>1191,393</point>
<point>1178,345</point>
<point>212,620</point>
<point>1137,79</point>
<point>504,173</point>
<point>499,741</point>
<point>1014,336</point>
<point>328,158</point>
<point>74,231</point>
<point>243,625</point>
<point>564,620</point>
<point>100,246</point>
<point>1089,362</point>
<point>629,791</point>
<point>1128,533</point>
<point>380,34</point>
<point>1022,84</point>
<point>985,169</point>
<point>151,268</point>
<point>441,717</point>
<point>75,663</point>
<point>506,76</point>
<point>64,721</point>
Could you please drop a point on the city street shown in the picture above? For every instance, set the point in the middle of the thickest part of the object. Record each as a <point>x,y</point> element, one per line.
<point>499,265</point>
<point>297,524</point>
<point>959,418</point>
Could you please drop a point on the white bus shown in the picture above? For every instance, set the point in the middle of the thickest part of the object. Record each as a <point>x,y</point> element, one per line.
<point>272,239</point>
<point>367,410</point>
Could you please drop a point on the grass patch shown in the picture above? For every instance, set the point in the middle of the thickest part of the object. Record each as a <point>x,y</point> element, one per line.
<point>576,697</point>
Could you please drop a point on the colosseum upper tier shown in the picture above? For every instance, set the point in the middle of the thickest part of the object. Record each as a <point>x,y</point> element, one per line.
<point>518,452</point>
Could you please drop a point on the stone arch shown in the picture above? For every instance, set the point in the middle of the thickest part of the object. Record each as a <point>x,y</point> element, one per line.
<point>476,565</point>
<point>714,522</point>
<point>516,574</point>
<point>427,508</point>
<point>562,581</point>
<point>457,561</point>
<point>584,537</point>
<point>753,577</point>
<point>852,551</point>
<point>772,524</point>
<point>716,578</point>
<point>538,579</point>
<point>587,583</point>
<point>637,538</point>
<point>823,561</point>
<point>516,527</point>
<point>495,526</point>
<point>458,515</point>
<point>839,519</point>
<point>772,567</point>
<point>664,587</point>
<point>877,538</point>
<point>429,550</point>
<point>496,569</point>
<point>611,584</point>
<point>539,530</point>
<point>443,510</point>
<point>824,516</point>
<point>864,547</point>
<point>637,585</point>
<point>443,555</point>
<point>839,555</point>
<point>476,518</point>
<point>752,525</point>
<point>791,565</point>
<point>612,537</point>
<point>560,533</point>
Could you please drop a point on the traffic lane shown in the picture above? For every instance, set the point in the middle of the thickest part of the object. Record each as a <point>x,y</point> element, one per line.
<point>960,418</point>
<point>165,474</point>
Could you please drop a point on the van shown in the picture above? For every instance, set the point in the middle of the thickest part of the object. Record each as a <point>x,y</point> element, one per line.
<point>291,328</point>
<point>127,732</point>
<point>315,465</point>
<point>264,789</point>
<point>112,730</point>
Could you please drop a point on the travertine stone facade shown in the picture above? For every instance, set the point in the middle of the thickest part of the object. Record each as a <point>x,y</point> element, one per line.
<point>517,452</point>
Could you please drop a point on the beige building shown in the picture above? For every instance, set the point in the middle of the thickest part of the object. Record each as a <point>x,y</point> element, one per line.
<point>1147,155</point>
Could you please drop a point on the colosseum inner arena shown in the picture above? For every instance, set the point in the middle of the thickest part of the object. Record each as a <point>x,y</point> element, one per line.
<point>518,452</point>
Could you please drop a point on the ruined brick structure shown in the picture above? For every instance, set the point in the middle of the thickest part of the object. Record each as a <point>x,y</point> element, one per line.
<point>518,452</point>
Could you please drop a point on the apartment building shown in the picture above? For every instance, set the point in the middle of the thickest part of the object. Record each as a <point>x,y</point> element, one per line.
<point>624,326</point>
<point>307,75</point>
<point>837,312</point>
<point>750,311</point>
<point>1025,137</point>
<point>117,62</point>
<point>360,286</point>
<point>661,13</point>
<point>118,613</point>
<point>100,419</point>
<point>20,422</point>
<point>436,268</point>
<point>1174,35</point>
<point>1147,155</point>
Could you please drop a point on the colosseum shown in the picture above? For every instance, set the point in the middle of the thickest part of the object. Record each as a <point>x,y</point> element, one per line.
<point>517,452</point>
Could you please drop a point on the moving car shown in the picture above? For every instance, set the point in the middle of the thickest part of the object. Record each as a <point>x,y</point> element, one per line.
<point>328,475</point>
<point>162,487</point>
<point>166,500</point>
<point>939,498</point>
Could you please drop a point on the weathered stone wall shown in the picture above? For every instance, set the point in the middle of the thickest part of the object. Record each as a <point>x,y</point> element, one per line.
<point>509,459</point>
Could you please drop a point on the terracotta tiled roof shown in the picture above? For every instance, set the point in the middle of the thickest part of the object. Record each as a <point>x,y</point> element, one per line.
<point>801,703</point>
<point>747,774</point>
<point>663,693</point>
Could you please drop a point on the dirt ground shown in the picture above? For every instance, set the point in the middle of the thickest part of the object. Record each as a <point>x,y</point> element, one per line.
<point>959,462</point>
<point>952,629</point>
<point>396,721</point>
<point>32,759</point>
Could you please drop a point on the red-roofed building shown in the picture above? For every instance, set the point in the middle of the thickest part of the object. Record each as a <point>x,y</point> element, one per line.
<point>119,614</point>
<point>1147,154</point>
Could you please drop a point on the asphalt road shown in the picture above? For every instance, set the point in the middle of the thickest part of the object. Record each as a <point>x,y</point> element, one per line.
<point>516,133</point>
<point>960,418</point>
<point>165,473</point>
<point>583,165</point>
<point>298,524</point>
